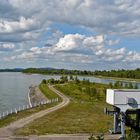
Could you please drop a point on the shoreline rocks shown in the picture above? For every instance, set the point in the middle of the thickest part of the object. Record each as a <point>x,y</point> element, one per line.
<point>36,96</point>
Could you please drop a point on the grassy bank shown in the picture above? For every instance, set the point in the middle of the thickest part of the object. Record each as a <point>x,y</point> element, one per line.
<point>47,92</point>
<point>83,115</point>
<point>13,117</point>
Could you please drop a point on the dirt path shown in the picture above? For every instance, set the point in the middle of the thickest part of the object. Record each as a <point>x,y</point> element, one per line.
<point>8,131</point>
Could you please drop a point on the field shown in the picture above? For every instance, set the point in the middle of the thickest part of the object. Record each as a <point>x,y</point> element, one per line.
<point>83,115</point>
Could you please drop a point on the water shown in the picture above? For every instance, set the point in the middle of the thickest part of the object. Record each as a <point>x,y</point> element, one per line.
<point>14,87</point>
<point>106,81</point>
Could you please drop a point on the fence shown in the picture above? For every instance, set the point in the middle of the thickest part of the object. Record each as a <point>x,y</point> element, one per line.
<point>25,107</point>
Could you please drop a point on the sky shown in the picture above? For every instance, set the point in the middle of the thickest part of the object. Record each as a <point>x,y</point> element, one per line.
<point>70,34</point>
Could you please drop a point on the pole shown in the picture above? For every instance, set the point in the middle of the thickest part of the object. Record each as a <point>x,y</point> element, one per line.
<point>122,124</point>
<point>115,122</point>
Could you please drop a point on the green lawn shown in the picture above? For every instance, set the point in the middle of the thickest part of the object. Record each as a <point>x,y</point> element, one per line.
<point>47,92</point>
<point>83,115</point>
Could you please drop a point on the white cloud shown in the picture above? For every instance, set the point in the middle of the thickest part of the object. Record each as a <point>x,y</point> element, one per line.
<point>7,47</point>
<point>16,26</point>
<point>132,56</point>
<point>69,42</point>
<point>80,48</point>
<point>27,21</point>
<point>79,43</point>
<point>118,17</point>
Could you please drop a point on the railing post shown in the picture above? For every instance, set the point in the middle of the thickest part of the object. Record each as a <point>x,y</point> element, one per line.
<point>27,106</point>
<point>23,107</point>
<point>3,114</point>
<point>11,111</point>
<point>19,108</point>
<point>7,113</point>
<point>15,110</point>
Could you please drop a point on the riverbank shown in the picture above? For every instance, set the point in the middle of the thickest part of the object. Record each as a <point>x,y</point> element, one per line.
<point>28,110</point>
<point>10,129</point>
<point>36,96</point>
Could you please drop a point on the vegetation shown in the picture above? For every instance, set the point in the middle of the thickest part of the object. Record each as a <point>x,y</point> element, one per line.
<point>62,80</point>
<point>83,115</point>
<point>46,91</point>
<point>132,135</point>
<point>93,137</point>
<point>12,70</point>
<point>57,71</point>
<point>123,85</point>
<point>134,74</point>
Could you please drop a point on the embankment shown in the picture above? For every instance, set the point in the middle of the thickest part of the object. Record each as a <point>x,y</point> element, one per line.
<point>35,96</point>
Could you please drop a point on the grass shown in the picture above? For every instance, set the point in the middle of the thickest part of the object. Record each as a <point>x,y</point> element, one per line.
<point>47,92</point>
<point>83,115</point>
<point>13,117</point>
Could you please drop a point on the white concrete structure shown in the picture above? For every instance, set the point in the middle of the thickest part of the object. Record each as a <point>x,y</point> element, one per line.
<point>124,98</point>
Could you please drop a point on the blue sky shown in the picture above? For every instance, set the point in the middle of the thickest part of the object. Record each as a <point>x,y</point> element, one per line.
<point>72,34</point>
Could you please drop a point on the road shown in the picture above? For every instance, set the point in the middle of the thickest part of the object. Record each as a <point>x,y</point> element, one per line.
<point>8,131</point>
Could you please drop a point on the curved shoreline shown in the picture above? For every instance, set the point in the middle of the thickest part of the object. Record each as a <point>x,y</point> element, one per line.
<point>8,131</point>
<point>29,98</point>
<point>36,96</point>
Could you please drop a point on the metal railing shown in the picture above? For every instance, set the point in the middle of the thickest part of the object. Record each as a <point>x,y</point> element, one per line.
<point>25,107</point>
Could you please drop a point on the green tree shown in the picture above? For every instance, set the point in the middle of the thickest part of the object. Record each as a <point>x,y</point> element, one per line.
<point>76,80</point>
<point>130,86</point>
<point>71,77</point>
<point>136,86</point>
<point>110,85</point>
<point>44,81</point>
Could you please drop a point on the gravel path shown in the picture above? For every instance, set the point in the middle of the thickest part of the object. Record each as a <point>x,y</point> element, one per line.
<point>8,131</point>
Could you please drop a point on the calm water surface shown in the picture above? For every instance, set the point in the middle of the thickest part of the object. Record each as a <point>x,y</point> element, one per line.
<point>14,87</point>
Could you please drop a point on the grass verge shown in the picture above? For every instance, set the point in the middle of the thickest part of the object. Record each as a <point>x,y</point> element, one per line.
<point>47,92</point>
<point>83,115</point>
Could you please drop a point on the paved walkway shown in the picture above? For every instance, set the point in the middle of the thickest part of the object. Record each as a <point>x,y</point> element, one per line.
<point>8,131</point>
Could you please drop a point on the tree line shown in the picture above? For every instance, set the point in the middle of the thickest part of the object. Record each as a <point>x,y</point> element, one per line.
<point>57,71</point>
<point>135,74</point>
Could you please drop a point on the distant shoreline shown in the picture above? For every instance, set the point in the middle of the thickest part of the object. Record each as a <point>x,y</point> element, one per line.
<point>96,76</point>
<point>118,78</point>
